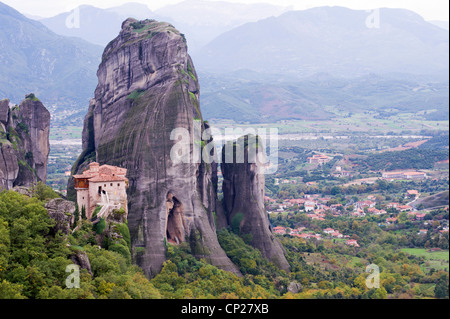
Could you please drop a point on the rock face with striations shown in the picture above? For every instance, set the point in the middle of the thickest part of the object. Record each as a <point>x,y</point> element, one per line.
<point>24,143</point>
<point>147,87</point>
<point>61,211</point>
<point>243,197</point>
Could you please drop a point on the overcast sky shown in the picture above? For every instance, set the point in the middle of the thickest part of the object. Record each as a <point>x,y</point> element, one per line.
<point>429,9</point>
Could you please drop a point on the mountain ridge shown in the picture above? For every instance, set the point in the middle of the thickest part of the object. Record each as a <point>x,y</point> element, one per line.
<point>94,24</point>
<point>317,40</point>
<point>263,98</point>
<point>200,20</point>
<point>34,59</point>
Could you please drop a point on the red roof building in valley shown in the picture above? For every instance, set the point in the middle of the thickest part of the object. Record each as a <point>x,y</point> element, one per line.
<point>404,208</point>
<point>298,201</point>
<point>420,216</point>
<point>391,220</point>
<point>337,234</point>
<point>279,230</point>
<point>412,193</point>
<point>404,175</point>
<point>352,242</point>
<point>318,159</point>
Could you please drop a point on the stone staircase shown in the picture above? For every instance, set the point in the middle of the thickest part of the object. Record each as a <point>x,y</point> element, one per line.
<point>107,205</point>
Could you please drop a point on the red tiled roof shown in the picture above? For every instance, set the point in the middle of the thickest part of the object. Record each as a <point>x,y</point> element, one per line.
<point>336,233</point>
<point>83,176</point>
<point>107,178</point>
<point>104,173</point>
<point>392,173</point>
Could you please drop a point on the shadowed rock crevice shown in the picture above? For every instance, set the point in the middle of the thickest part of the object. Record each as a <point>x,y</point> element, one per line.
<point>175,223</point>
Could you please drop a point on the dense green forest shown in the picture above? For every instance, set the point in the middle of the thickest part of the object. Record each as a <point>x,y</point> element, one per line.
<point>437,142</point>
<point>33,261</point>
<point>408,159</point>
<point>33,258</point>
<point>390,190</point>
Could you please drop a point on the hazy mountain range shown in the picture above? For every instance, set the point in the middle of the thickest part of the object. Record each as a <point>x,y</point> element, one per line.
<point>201,21</point>
<point>224,37</point>
<point>335,40</point>
<point>34,59</point>
<point>256,63</point>
<point>441,24</point>
<point>98,26</point>
<point>264,98</point>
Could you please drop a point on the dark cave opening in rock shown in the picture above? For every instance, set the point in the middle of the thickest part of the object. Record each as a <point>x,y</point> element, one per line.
<point>175,223</point>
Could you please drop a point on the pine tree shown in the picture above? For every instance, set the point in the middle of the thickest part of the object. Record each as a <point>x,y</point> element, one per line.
<point>76,216</point>
<point>441,290</point>
<point>83,212</point>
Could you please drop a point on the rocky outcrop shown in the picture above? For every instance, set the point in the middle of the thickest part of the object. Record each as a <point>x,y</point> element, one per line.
<point>4,111</point>
<point>147,87</point>
<point>243,197</point>
<point>9,164</point>
<point>80,258</point>
<point>35,119</point>
<point>62,212</point>
<point>9,167</point>
<point>24,143</point>
<point>294,287</point>
<point>26,191</point>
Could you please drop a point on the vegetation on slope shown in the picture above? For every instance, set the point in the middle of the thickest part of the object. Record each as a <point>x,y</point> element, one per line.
<point>408,159</point>
<point>33,261</point>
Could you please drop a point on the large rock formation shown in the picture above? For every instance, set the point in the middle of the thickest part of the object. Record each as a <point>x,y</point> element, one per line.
<point>147,87</point>
<point>62,211</point>
<point>24,143</point>
<point>4,112</point>
<point>81,259</point>
<point>243,197</point>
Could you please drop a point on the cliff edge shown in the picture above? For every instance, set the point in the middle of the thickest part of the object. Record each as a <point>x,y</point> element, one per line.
<point>243,197</point>
<point>24,143</point>
<point>147,87</point>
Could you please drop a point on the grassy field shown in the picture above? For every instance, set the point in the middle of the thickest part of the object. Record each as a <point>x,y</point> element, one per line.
<point>67,132</point>
<point>437,200</point>
<point>363,123</point>
<point>438,260</point>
